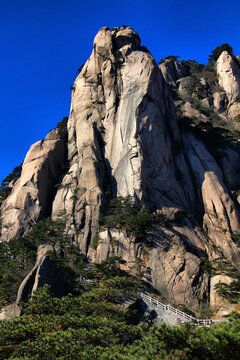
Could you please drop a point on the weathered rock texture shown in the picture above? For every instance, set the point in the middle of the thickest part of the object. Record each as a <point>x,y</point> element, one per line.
<point>43,272</point>
<point>10,312</point>
<point>32,194</point>
<point>173,70</point>
<point>229,76</point>
<point>124,139</point>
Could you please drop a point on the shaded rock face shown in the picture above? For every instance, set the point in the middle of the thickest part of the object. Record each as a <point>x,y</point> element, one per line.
<point>167,265</point>
<point>173,70</point>
<point>219,100</point>
<point>43,272</point>
<point>220,216</point>
<point>124,139</point>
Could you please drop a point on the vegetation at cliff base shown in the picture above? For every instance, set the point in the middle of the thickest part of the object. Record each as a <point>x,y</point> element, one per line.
<point>97,325</point>
<point>136,220</point>
<point>18,256</point>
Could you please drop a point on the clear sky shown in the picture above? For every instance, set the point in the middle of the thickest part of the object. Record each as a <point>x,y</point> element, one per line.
<point>43,42</point>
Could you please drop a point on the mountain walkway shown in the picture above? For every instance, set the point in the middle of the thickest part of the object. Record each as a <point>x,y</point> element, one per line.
<point>166,312</point>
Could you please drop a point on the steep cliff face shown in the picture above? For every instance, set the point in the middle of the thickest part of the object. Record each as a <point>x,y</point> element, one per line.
<point>228,72</point>
<point>124,138</point>
<point>33,192</point>
<point>229,76</point>
<point>122,128</point>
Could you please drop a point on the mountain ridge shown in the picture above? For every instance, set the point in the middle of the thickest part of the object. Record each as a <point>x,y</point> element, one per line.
<point>133,130</point>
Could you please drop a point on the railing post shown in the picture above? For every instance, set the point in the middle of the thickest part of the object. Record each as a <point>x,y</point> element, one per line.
<point>176,311</point>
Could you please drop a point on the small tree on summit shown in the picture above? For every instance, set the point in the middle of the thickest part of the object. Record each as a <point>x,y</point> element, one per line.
<point>217,52</point>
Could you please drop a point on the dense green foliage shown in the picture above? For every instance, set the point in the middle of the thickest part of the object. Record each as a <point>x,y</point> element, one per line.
<point>221,266</point>
<point>229,291</point>
<point>16,260</point>
<point>63,123</point>
<point>17,257</point>
<point>136,220</point>
<point>95,326</point>
<point>5,190</point>
<point>214,137</point>
<point>193,66</point>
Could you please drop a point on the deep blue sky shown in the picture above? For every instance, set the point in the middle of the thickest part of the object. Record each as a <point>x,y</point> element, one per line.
<point>43,42</point>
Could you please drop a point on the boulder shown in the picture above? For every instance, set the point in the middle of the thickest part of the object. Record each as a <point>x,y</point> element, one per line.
<point>173,70</point>
<point>43,272</point>
<point>10,312</point>
<point>219,101</point>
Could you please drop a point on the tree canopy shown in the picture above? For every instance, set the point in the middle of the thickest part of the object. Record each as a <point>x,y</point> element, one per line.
<point>217,52</point>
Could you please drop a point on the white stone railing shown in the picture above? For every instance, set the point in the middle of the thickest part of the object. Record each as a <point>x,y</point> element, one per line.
<point>183,315</point>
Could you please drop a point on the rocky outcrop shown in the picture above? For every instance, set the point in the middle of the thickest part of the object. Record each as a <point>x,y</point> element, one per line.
<point>43,272</point>
<point>166,265</point>
<point>191,112</point>
<point>229,76</point>
<point>215,299</point>
<point>222,306</point>
<point>32,193</point>
<point>121,130</point>
<point>229,79</point>
<point>221,217</point>
<point>219,101</point>
<point>10,312</point>
<point>173,70</point>
<point>229,160</point>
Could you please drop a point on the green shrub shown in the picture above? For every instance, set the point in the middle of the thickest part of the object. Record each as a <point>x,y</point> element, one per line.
<point>206,266</point>
<point>17,256</point>
<point>95,241</point>
<point>102,129</point>
<point>169,57</point>
<point>195,87</point>
<point>237,118</point>
<point>193,66</point>
<point>94,326</point>
<point>5,190</point>
<point>236,238</point>
<point>63,123</point>
<point>205,312</point>
<point>213,137</point>
<point>218,50</point>
<point>230,291</point>
<point>136,220</point>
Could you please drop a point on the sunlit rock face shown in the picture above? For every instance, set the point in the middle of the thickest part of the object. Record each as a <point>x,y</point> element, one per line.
<point>229,76</point>
<point>124,139</point>
<point>122,128</point>
<point>32,194</point>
